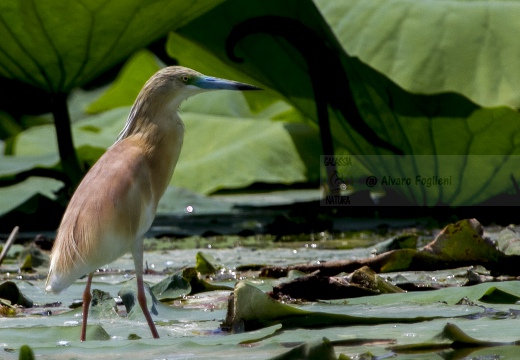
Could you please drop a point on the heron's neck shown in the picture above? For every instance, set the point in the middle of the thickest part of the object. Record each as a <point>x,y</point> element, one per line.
<point>147,118</point>
<point>159,133</point>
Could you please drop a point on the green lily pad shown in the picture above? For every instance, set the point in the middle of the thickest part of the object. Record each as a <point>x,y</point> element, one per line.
<point>252,309</point>
<point>318,350</point>
<point>509,242</point>
<point>10,291</point>
<point>403,241</point>
<point>451,335</point>
<point>507,292</point>
<point>26,353</point>
<point>128,295</point>
<point>171,287</point>
<point>206,264</point>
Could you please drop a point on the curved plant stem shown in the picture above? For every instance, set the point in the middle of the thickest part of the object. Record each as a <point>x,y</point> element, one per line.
<point>69,160</point>
<point>10,241</point>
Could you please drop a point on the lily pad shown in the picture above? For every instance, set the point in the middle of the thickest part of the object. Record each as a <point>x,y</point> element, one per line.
<point>9,291</point>
<point>252,309</point>
<point>319,350</point>
<point>206,263</point>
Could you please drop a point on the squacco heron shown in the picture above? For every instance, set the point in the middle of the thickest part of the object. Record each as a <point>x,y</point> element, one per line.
<point>115,203</point>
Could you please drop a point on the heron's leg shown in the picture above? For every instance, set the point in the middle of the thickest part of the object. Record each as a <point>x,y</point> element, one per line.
<point>87,297</point>
<point>141,296</point>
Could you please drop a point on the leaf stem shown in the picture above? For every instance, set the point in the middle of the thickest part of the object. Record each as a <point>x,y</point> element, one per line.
<point>10,241</point>
<point>68,157</point>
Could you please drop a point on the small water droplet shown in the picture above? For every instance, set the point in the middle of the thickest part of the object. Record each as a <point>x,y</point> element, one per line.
<point>410,335</point>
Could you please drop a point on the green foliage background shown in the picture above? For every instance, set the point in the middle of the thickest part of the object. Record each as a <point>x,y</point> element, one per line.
<point>429,78</point>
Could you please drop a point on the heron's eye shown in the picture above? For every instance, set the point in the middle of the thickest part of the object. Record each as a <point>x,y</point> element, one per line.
<point>185,78</point>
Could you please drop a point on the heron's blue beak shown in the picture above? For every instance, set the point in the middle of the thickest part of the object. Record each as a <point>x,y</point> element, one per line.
<point>213,83</point>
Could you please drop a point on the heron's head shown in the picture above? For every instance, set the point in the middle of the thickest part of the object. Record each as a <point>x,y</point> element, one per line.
<point>163,93</point>
<point>178,83</point>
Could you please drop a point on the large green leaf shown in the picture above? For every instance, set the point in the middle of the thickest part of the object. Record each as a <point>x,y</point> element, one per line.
<point>57,45</point>
<point>228,153</point>
<point>124,90</point>
<point>269,62</point>
<point>464,46</point>
<point>225,146</point>
<point>442,124</point>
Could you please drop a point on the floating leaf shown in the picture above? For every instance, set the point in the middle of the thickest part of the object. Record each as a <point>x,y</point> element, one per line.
<point>252,309</point>
<point>403,241</point>
<point>362,282</point>
<point>508,242</point>
<point>10,291</point>
<point>457,245</point>
<point>172,287</point>
<point>26,353</point>
<point>451,336</point>
<point>318,350</point>
<point>128,295</point>
<point>27,263</point>
<point>206,264</point>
